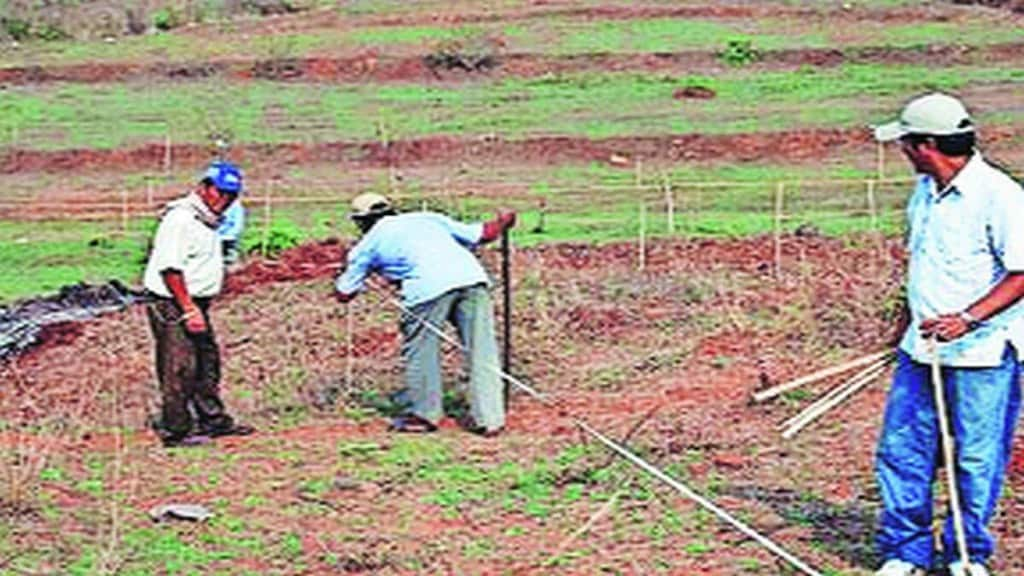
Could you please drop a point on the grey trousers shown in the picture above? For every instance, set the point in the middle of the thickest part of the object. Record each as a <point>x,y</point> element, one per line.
<point>470,310</point>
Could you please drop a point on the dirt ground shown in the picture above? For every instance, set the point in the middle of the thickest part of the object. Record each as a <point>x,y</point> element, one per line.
<point>666,357</point>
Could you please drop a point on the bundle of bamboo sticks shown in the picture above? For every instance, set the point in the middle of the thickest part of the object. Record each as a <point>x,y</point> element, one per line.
<point>870,368</point>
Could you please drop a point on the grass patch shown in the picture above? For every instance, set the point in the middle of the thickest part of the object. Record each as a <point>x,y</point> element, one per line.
<point>42,257</point>
<point>593,105</point>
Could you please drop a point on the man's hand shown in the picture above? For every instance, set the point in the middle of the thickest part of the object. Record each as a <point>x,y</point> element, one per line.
<point>195,323</point>
<point>946,327</point>
<point>506,219</point>
<point>503,220</point>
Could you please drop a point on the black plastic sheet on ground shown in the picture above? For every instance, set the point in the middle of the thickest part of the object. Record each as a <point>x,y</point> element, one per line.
<point>22,323</point>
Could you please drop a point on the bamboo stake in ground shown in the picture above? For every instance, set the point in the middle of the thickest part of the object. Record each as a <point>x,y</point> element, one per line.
<point>167,153</point>
<point>881,161</point>
<point>643,236</point>
<point>349,346</point>
<point>780,192</point>
<point>670,203</point>
<point>266,220</point>
<point>124,211</point>
<point>817,376</point>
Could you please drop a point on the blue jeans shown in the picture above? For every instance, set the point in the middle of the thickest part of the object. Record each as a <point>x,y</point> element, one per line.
<point>984,404</point>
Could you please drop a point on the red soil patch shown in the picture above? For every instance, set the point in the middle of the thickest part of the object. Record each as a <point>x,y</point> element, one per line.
<point>694,92</point>
<point>1017,462</point>
<point>374,67</point>
<point>789,146</point>
<point>785,147</point>
<point>306,262</point>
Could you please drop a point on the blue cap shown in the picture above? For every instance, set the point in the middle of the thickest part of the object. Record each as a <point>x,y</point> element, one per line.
<point>225,176</point>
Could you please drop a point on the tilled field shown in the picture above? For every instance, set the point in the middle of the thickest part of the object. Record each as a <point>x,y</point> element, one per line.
<point>665,358</point>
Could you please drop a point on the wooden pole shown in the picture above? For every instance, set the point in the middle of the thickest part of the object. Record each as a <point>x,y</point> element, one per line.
<point>506,281</point>
<point>266,218</point>
<point>670,203</point>
<point>639,176</point>
<point>780,192</point>
<point>167,153</point>
<point>348,345</point>
<point>873,211</point>
<point>881,161</point>
<point>871,205</point>
<point>811,412</point>
<point>819,375</point>
<point>946,435</point>
<point>835,398</point>
<point>643,236</point>
<point>124,210</point>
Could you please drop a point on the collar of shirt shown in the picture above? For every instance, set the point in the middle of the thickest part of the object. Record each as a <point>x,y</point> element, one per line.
<point>970,176</point>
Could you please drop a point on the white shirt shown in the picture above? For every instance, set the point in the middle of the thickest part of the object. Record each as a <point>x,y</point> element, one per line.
<point>963,241</point>
<point>183,242</point>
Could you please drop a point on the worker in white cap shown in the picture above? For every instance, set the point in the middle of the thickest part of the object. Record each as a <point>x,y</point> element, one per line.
<point>429,254</point>
<point>965,281</point>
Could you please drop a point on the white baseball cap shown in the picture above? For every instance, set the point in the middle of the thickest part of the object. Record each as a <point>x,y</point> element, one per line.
<point>934,114</point>
<point>369,204</point>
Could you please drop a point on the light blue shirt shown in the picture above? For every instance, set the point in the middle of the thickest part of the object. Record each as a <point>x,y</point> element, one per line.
<point>428,253</point>
<point>232,222</point>
<point>963,241</point>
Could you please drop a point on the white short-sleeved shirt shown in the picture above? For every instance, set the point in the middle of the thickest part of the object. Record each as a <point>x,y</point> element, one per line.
<point>428,253</point>
<point>183,242</point>
<point>963,241</point>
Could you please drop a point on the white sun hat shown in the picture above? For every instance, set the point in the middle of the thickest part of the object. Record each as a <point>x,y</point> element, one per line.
<point>934,114</point>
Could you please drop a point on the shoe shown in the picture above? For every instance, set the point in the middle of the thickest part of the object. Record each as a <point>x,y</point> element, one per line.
<point>232,430</point>
<point>185,441</point>
<point>468,424</point>
<point>896,567</point>
<point>973,569</point>
<point>411,424</point>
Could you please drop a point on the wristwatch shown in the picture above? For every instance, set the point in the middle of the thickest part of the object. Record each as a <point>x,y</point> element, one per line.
<point>971,321</point>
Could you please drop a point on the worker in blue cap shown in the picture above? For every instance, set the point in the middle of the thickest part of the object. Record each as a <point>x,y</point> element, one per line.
<point>184,273</point>
<point>232,223</point>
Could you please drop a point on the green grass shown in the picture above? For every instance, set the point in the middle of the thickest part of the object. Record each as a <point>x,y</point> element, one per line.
<point>42,257</point>
<point>47,255</point>
<point>587,105</point>
<point>572,36</point>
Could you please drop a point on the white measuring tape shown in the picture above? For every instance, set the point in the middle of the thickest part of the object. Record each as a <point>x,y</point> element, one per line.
<point>632,457</point>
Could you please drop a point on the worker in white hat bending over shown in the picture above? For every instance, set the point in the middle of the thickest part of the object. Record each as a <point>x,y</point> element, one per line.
<point>429,255</point>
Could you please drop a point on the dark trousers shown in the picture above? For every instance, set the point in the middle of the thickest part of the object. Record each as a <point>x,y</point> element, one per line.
<point>188,369</point>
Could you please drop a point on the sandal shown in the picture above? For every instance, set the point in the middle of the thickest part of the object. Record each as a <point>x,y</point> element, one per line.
<point>468,424</point>
<point>412,424</point>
